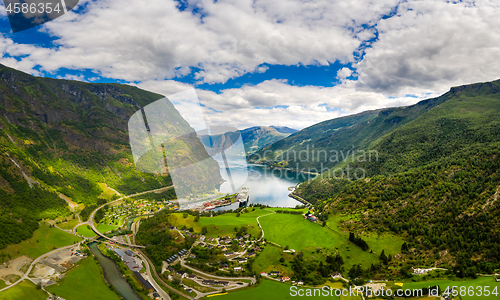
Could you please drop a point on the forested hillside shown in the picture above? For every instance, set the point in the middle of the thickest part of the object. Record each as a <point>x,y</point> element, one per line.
<point>436,182</point>
<point>331,142</point>
<point>62,138</point>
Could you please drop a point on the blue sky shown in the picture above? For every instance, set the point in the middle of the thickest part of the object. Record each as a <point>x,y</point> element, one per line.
<point>290,63</point>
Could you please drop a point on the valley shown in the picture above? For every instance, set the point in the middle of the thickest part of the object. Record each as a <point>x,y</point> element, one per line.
<point>427,199</point>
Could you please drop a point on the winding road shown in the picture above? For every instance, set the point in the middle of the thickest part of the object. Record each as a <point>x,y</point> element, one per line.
<point>34,262</point>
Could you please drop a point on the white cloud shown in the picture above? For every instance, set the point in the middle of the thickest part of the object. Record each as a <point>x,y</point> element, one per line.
<point>344,73</point>
<point>432,45</point>
<point>422,50</point>
<point>134,41</point>
<point>275,102</point>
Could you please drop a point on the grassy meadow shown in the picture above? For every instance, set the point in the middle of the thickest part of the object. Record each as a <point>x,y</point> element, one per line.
<point>268,260</point>
<point>222,225</point>
<point>84,282</point>
<point>85,231</point>
<point>353,254</point>
<point>23,291</point>
<point>296,232</point>
<point>44,239</point>
<point>105,227</point>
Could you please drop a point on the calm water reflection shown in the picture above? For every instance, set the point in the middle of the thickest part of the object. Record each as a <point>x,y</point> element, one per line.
<point>267,186</point>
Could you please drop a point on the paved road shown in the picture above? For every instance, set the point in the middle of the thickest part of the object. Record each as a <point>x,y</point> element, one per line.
<point>160,280</point>
<point>91,217</point>
<point>160,291</point>
<point>33,263</point>
<point>252,279</point>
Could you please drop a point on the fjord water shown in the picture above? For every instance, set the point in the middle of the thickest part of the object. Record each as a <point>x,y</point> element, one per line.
<point>267,186</point>
<point>113,275</point>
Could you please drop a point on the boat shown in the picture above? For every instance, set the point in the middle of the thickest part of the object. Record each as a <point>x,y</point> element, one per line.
<point>243,195</point>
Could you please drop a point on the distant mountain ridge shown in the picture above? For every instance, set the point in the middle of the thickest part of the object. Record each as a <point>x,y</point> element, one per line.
<point>284,129</point>
<point>258,137</point>
<point>360,132</point>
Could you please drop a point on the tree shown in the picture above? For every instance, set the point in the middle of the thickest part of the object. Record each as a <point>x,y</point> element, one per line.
<point>384,258</point>
<point>204,230</point>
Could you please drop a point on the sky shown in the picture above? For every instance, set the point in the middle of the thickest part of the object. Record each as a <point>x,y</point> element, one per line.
<point>282,62</point>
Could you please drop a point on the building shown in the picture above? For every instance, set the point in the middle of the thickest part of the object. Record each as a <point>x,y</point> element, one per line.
<point>284,279</point>
<point>242,260</point>
<point>144,282</point>
<point>182,274</point>
<point>119,252</point>
<point>274,273</point>
<point>130,253</point>
<point>237,268</point>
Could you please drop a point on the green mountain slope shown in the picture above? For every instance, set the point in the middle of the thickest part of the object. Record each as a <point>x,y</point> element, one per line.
<point>63,138</point>
<point>436,183</point>
<point>329,143</point>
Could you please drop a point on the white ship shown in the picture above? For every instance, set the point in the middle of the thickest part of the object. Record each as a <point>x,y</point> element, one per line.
<point>243,195</point>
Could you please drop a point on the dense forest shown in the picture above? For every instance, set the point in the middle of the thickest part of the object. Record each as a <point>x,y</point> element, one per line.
<point>435,182</point>
<point>63,137</point>
<point>159,241</point>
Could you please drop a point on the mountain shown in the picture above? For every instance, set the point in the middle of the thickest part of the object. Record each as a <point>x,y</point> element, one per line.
<point>68,140</point>
<point>434,181</point>
<point>254,138</point>
<point>258,137</point>
<point>284,129</point>
<point>333,143</point>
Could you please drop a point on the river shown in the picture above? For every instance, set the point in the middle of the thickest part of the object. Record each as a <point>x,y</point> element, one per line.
<point>266,186</point>
<point>113,275</point>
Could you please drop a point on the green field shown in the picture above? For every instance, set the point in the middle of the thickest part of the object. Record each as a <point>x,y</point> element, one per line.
<point>268,260</point>
<point>105,227</point>
<point>84,282</point>
<point>353,254</point>
<point>44,239</point>
<point>296,232</point>
<point>85,231</point>
<point>69,224</point>
<point>23,291</point>
<point>223,224</point>
<point>2,284</point>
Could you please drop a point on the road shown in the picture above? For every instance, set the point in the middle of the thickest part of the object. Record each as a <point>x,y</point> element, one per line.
<point>272,212</point>
<point>161,280</point>
<point>160,291</point>
<point>90,222</point>
<point>33,263</point>
<point>252,279</point>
